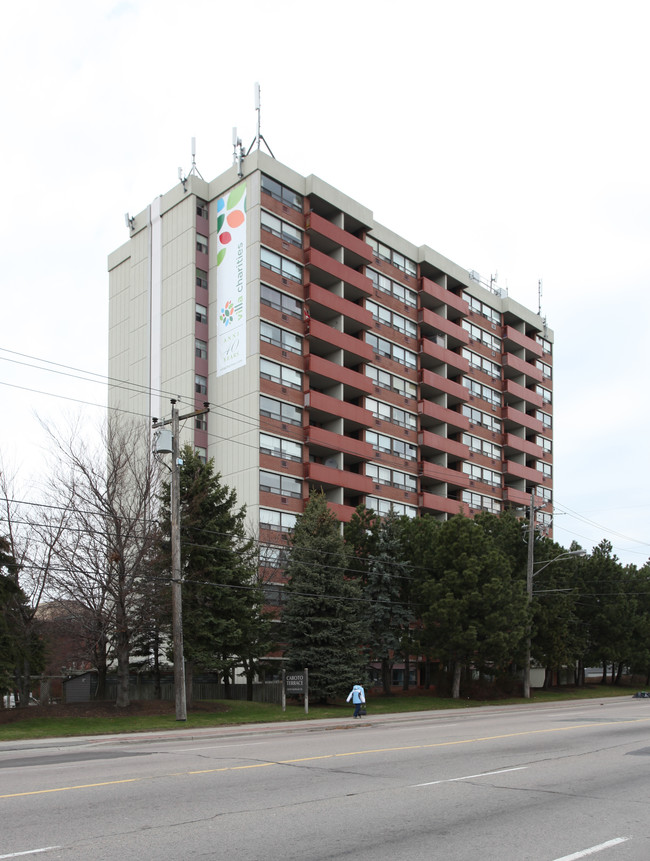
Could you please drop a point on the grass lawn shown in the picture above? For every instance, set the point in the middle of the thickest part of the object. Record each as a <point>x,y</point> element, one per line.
<point>57,722</point>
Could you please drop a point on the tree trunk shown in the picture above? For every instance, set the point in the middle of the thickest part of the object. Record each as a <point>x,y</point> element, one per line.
<point>189,684</point>
<point>580,673</point>
<point>548,678</point>
<point>407,672</point>
<point>386,668</point>
<point>455,688</point>
<point>603,680</point>
<point>122,652</point>
<point>619,674</point>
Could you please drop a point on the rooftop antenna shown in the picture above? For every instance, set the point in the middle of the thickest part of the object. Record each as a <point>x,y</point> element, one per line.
<point>259,137</point>
<point>238,151</point>
<point>193,170</point>
<point>539,297</point>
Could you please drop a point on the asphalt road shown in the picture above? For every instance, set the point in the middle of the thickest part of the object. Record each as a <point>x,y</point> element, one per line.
<point>503,783</point>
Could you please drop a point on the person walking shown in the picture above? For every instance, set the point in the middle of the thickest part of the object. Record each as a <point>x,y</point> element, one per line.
<point>358,697</point>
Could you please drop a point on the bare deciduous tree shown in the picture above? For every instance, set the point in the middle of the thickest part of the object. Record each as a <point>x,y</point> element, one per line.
<point>101,531</point>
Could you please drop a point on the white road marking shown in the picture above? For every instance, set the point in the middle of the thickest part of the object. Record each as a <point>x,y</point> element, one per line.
<point>30,852</point>
<point>592,850</point>
<point>471,776</point>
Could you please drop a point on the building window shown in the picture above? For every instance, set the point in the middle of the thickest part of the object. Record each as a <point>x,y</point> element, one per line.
<point>383,252</point>
<point>282,229</point>
<point>280,337</point>
<point>287,449</point>
<point>280,374</point>
<point>202,278</point>
<point>201,453</point>
<point>392,351</point>
<point>280,301</point>
<point>482,446</point>
<point>200,349</point>
<point>385,506</point>
<point>281,265</point>
<point>391,382</point>
<point>390,318</point>
<point>544,343</point>
<point>478,501</point>
<point>388,444</point>
<point>393,288</point>
<point>545,393</point>
<point>282,193</point>
<point>481,363</point>
<point>281,411</point>
<point>391,477</point>
<point>278,521</point>
<point>391,414</point>
<point>482,473</point>
<point>477,417</point>
<point>483,337</point>
<point>285,485</point>
<point>200,385</point>
<point>201,423</point>
<point>201,208</point>
<point>545,468</point>
<point>544,418</point>
<point>484,310</point>
<point>201,313</point>
<point>545,443</point>
<point>485,393</point>
<point>544,368</point>
<point>273,556</point>
<point>201,243</point>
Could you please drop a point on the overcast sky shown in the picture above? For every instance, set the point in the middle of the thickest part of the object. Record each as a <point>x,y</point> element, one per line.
<point>511,137</point>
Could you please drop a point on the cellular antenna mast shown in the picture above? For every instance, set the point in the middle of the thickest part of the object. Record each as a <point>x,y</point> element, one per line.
<point>193,170</point>
<point>539,297</point>
<point>259,137</point>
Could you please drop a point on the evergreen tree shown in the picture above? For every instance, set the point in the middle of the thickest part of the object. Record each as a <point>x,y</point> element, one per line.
<point>19,644</point>
<point>386,591</point>
<point>324,617</point>
<point>222,598</point>
<point>475,610</point>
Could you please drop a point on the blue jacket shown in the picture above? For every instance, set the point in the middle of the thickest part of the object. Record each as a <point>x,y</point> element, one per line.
<point>357,695</point>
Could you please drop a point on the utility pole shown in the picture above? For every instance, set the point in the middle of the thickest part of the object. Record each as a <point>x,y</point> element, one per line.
<point>529,587</point>
<point>180,696</point>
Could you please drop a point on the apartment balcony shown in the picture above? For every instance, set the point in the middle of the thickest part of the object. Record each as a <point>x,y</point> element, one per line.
<point>434,295</point>
<point>433,354</point>
<point>320,298</point>
<point>511,416</point>
<point>517,443</point>
<point>442,474</point>
<point>323,339</point>
<point>315,223</point>
<point>522,498</point>
<point>429,441</point>
<point>431,380</point>
<point>335,271</point>
<point>323,408</point>
<point>329,477</point>
<point>430,320</point>
<point>323,373</point>
<point>435,414</point>
<point>433,502</point>
<point>528,473</point>
<point>513,366</point>
<point>514,338</point>
<point>321,441</point>
<point>521,393</point>
<point>343,513</point>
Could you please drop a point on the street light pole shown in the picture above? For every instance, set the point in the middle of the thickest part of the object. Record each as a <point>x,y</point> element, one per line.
<point>175,537</point>
<point>529,588</point>
<point>530,575</point>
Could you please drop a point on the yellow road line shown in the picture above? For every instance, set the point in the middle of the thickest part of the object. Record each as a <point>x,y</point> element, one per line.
<point>330,756</point>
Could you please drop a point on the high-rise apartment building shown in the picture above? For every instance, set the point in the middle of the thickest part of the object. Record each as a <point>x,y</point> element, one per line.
<point>334,354</point>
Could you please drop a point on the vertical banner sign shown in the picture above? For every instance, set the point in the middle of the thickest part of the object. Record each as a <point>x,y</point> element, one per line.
<point>231,280</point>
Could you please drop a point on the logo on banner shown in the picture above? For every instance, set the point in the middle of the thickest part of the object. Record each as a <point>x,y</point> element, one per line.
<point>231,279</point>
